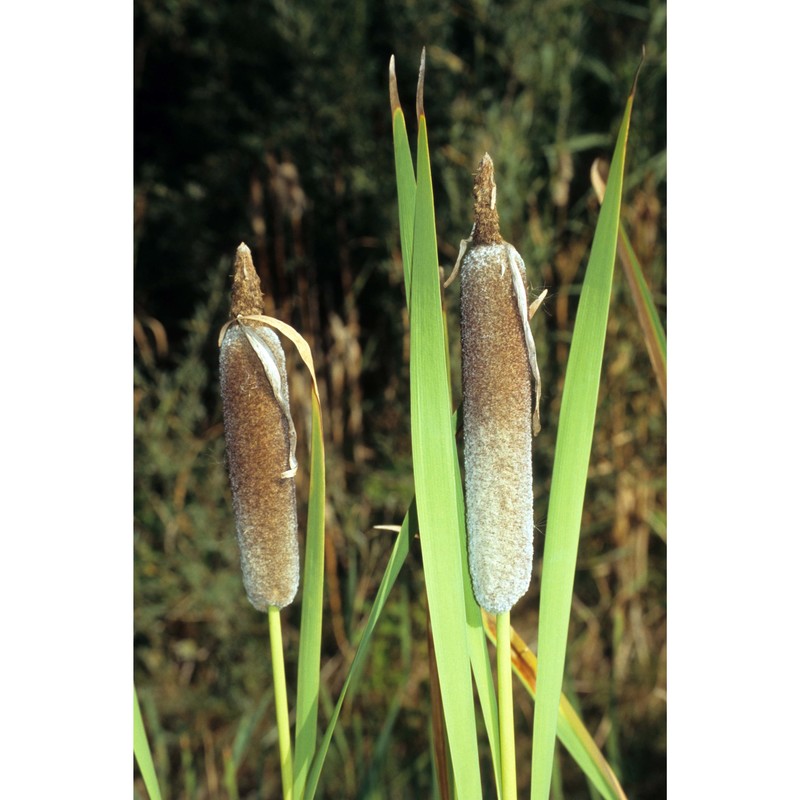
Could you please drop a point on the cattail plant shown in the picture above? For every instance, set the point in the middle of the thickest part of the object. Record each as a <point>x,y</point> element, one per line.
<point>260,439</point>
<point>261,442</point>
<point>498,360</point>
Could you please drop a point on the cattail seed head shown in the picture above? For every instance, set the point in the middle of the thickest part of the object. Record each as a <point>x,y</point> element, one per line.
<point>496,377</point>
<point>260,440</point>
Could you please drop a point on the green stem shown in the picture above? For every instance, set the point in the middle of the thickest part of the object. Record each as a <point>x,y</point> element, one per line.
<point>505,701</point>
<point>281,702</point>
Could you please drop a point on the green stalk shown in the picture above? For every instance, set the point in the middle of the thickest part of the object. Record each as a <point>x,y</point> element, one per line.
<point>281,702</point>
<point>505,701</point>
<point>141,750</point>
<point>571,730</point>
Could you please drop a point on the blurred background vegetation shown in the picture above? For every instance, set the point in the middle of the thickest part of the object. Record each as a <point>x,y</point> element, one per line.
<point>268,122</point>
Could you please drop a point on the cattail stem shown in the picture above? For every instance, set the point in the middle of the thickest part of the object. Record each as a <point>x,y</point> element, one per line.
<point>281,701</point>
<point>505,702</point>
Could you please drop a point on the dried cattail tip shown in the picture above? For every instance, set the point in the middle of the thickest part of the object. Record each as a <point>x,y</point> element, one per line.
<point>260,439</point>
<point>498,359</point>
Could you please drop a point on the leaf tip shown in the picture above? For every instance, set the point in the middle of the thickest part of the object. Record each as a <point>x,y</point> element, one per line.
<point>420,86</point>
<point>599,177</point>
<point>638,70</point>
<point>394,97</point>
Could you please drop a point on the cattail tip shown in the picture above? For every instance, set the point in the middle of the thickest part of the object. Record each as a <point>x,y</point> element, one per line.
<point>246,298</point>
<point>484,190</point>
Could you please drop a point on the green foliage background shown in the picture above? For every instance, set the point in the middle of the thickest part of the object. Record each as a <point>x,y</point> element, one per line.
<point>268,122</point>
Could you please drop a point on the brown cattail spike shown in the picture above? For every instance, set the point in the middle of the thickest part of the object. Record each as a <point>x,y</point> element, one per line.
<point>260,440</point>
<point>498,362</point>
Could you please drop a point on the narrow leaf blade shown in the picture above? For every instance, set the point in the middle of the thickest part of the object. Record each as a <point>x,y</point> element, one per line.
<point>396,561</point>
<point>570,469</point>
<point>435,485</point>
<point>141,751</point>
<point>308,666</point>
<point>406,182</point>
<point>654,336</point>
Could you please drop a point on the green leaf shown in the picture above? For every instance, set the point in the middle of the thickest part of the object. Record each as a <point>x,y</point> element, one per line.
<point>478,651</point>
<point>405,180</point>
<point>435,467</point>
<point>308,667</point>
<point>570,469</point>
<point>396,561</point>
<point>141,751</point>
<point>406,193</point>
<point>654,336</point>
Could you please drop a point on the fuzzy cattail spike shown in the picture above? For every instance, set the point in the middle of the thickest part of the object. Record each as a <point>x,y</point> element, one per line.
<point>260,439</point>
<point>498,361</point>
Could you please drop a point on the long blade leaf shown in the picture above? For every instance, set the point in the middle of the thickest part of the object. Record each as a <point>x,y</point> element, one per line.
<point>406,182</point>
<point>141,751</point>
<point>435,485</point>
<point>478,651</point>
<point>654,336</point>
<point>308,667</point>
<point>396,561</point>
<point>570,469</point>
